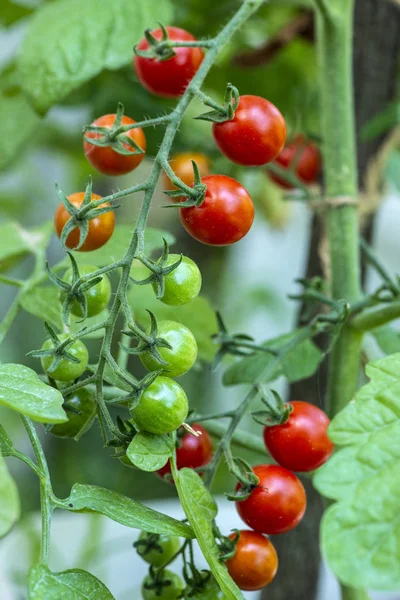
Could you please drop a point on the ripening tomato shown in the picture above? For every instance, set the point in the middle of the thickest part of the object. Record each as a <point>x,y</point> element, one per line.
<point>163,407</point>
<point>169,78</point>
<point>107,160</point>
<point>255,135</point>
<point>170,587</point>
<point>302,443</point>
<point>66,370</point>
<point>304,156</point>
<point>277,504</point>
<point>100,228</point>
<point>255,562</point>
<point>183,284</point>
<point>83,405</point>
<point>182,354</point>
<point>157,549</point>
<point>224,217</point>
<point>193,452</point>
<point>183,168</point>
<point>97,297</point>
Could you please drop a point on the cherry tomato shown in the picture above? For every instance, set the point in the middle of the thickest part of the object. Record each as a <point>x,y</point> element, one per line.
<point>80,418</point>
<point>104,158</point>
<point>169,78</point>
<point>302,443</point>
<point>163,407</point>
<point>66,370</point>
<point>255,135</point>
<point>255,562</point>
<point>193,452</point>
<point>305,156</point>
<point>183,284</point>
<point>224,217</point>
<point>100,228</point>
<point>157,549</point>
<point>206,590</point>
<point>97,297</point>
<point>183,168</point>
<point>170,588</point>
<point>277,504</point>
<point>182,354</point>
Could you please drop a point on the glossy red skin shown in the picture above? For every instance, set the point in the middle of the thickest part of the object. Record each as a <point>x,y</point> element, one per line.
<point>255,562</point>
<point>100,228</point>
<point>169,78</point>
<point>104,158</point>
<point>193,452</point>
<point>224,217</point>
<point>255,135</point>
<point>302,443</point>
<point>308,161</point>
<point>277,504</point>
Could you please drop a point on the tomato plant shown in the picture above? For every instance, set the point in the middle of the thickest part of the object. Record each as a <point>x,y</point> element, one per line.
<point>192,452</point>
<point>81,411</point>
<point>169,586</point>
<point>66,370</point>
<point>255,562</point>
<point>183,167</point>
<point>157,549</point>
<point>97,297</point>
<point>303,157</point>
<point>179,357</point>
<point>183,284</point>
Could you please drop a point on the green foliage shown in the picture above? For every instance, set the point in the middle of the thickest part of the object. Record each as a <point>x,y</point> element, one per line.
<point>359,535</point>
<point>22,391</point>
<point>12,11</point>
<point>201,510</point>
<point>382,122</point>
<point>16,242</point>
<point>84,498</point>
<point>387,339</point>
<point>43,303</point>
<point>150,452</point>
<point>6,445</point>
<point>299,363</point>
<point>9,505</point>
<point>74,584</point>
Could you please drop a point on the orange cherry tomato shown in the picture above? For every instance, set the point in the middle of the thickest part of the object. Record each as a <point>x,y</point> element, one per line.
<point>255,562</point>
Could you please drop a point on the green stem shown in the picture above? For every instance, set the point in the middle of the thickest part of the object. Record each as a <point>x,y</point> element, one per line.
<point>10,281</point>
<point>375,318</point>
<point>353,594</point>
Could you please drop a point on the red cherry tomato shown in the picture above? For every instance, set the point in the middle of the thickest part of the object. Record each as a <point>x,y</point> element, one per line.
<point>100,228</point>
<point>277,504</point>
<point>255,135</point>
<point>224,217</point>
<point>307,159</point>
<point>169,78</point>
<point>255,562</point>
<point>104,158</point>
<point>302,443</point>
<point>193,452</point>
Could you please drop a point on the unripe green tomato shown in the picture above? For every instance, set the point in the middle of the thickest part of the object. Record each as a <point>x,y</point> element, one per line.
<point>97,297</point>
<point>163,407</point>
<point>66,370</point>
<point>209,591</point>
<point>183,284</point>
<point>180,357</point>
<point>171,591</point>
<point>84,403</point>
<point>163,548</point>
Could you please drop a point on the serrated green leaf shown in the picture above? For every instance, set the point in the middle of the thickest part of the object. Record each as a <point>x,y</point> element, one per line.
<point>43,303</point>
<point>22,391</point>
<point>124,510</point>
<point>150,452</point>
<point>68,42</point>
<point>299,363</point>
<point>201,509</point>
<point>360,537</point>
<point>74,584</point>
<point>9,504</point>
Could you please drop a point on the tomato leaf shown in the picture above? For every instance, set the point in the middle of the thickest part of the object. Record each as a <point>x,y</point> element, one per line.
<point>16,242</point>
<point>6,445</point>
<point>299,363</point>
<point>201,509</point>
<point>10,504</point>
<point>68,42</point>
<point>387,338</point>
<point>359,537</point>
<point>74,584</point>
<point>150,452</point>
<point>124,510</point>
<point>43,303</point>
<point>22,391</point>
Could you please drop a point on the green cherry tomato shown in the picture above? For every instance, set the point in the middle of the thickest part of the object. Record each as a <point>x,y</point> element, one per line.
<point>66,370</point>
<point>183,284</point>
<point>163,407</point>
<point>97,297</point>
<point>170,587</point>
<point>182,354</point>
<point>156,549</point>
<point>209,590</point>
<point>83,409</point>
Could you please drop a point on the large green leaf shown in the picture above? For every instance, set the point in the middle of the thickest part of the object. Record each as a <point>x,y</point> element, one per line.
<point>9,499</point>
<point>74,584</point>
<point>361,532</point>
<point>201,509</point>
<point>299,363</point>
<point>150,452</point>
<point>22,390</point>
<point>124,510</point>
<point>68,42</point>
